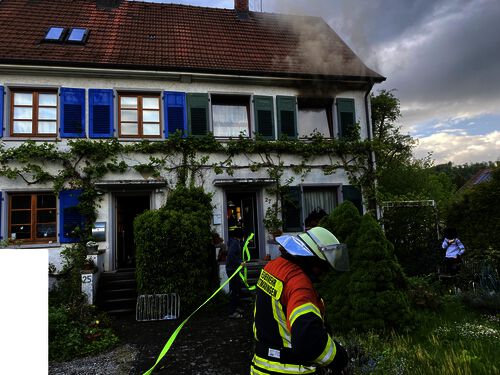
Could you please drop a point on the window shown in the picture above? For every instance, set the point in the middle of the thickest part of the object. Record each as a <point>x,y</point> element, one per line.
<point>347,126</point>
<point>55,34</point>
<point>305,206</point>
<point>230,115</point>
<point>32,217</point>
<point>315,116</point>
<point>139,115</point>
<point>318,202</point>
<point>34,113</point>
<point>77,35</point>
<point>287,116</point>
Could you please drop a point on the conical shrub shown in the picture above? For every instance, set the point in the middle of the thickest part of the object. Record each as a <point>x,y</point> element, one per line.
<point>377,287</point>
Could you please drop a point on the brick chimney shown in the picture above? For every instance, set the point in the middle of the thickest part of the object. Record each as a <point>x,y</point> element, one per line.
<point>241,6</point>
<point>108,4</point>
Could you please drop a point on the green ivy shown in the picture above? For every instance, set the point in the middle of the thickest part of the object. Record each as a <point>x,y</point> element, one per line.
<point>81,163</point>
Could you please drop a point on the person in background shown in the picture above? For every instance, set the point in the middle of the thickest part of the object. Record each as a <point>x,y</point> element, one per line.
<point>233,261</point>
<point>291,336</point>
<point>454,250</point>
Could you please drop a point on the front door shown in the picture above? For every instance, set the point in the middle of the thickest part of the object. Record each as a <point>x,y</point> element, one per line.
<point>127,208</point>
<point>242,212</point>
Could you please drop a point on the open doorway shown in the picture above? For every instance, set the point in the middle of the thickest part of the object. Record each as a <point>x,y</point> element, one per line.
<point>127,208</point>
<point>242,212</point>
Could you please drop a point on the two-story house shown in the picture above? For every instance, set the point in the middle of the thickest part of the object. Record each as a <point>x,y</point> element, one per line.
<point>132,71</point>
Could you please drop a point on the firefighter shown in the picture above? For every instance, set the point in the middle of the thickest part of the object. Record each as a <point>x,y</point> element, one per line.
<point>289,326</point>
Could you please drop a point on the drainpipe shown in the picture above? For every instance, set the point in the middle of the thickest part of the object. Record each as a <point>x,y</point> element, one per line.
<point>372,204</point>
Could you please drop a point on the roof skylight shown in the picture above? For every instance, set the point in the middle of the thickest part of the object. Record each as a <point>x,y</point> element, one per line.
<point>77,35</point>
<point>54,34</point>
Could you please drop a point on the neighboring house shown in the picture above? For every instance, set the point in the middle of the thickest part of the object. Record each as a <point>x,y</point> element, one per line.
<point>484,175</point>
<point>133,71</point>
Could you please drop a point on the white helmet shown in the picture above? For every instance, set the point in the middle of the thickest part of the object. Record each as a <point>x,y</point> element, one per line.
<point>317,242</point>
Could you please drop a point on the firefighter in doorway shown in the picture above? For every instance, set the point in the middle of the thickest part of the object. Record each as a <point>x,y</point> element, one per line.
<point>289,327</point>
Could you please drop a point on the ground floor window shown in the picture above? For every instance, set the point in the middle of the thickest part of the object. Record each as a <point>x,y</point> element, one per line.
<point>318,202</point>
<point>303,207</point>
<point>33,217</point>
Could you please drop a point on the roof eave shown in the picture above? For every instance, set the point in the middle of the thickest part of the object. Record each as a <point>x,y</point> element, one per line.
<point>142,70</point>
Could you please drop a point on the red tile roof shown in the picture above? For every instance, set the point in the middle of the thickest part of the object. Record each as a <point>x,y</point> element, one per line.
<point>169,37</point>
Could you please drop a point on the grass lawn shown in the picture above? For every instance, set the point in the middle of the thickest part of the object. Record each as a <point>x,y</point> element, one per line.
<point>453,339</point>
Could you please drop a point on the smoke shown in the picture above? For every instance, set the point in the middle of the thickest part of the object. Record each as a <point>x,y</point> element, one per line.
<point>318,42</point>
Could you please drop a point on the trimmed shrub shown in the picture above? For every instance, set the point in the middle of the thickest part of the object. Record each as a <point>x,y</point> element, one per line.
<point>377,290</point>
<point>373,294</point>
<point>173,247</point>
<point>343,222</point>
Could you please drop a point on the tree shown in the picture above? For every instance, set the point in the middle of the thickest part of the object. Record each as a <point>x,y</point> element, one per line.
<point>476,216</point>
<point>391,146</point>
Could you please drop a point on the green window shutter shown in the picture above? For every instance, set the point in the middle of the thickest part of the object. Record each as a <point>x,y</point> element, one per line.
<point>291,203</point>
<point>264,116</point>
<point>197,114</point>
<point>287,116</point>
<point>346,118</point>
<point>353,194</point>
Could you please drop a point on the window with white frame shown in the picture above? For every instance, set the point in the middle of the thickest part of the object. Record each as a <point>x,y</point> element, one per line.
<point>318,201</point>
<point>230,115</point>
<point>315,116</point>
<point>33,113</point>
<point>139,115</point>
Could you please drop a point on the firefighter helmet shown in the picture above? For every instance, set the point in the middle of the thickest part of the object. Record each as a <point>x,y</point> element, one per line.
<point>317,242</point>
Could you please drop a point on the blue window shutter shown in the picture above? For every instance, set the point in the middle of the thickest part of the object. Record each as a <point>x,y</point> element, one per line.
<point>72,112</point>
<point>174,105</point>
<point>1,199</point>
<point>287,116</point>
<point>1,110</point>
<point>69,216</point>
<point>101,114</point>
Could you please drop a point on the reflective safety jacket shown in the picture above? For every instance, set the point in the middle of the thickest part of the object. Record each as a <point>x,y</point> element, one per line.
<point>289,329</point>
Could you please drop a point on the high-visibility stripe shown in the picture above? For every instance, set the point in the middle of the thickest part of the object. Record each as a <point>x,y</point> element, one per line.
<point>282,368</point>
<point>328,354</point>
<point>304,309</point>
<point>280,318</point>
<point>254,371</point>
<point>254,326</point>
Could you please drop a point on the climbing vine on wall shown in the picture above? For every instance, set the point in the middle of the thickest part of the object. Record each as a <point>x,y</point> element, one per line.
<point>81,163</point>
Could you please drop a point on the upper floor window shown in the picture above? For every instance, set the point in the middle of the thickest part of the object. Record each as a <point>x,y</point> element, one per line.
<point>315,116</point>
<point>34,113</point>
<point>139,115</point>
<point>230,115</point>
<point>32,217</point>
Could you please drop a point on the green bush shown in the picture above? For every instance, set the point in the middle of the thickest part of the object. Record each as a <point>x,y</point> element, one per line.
<point>343,222</point>
<point>413,232</point>
<point>378,286</point>
<point>373,294</point>
<point>475,216</point>
<point>75,332</point>
<point>173,247</point>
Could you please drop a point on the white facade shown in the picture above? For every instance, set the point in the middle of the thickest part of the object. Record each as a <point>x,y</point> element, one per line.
<point>120,191</point>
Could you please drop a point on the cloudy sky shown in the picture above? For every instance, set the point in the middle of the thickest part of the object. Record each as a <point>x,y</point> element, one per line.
<point>442,57</point>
